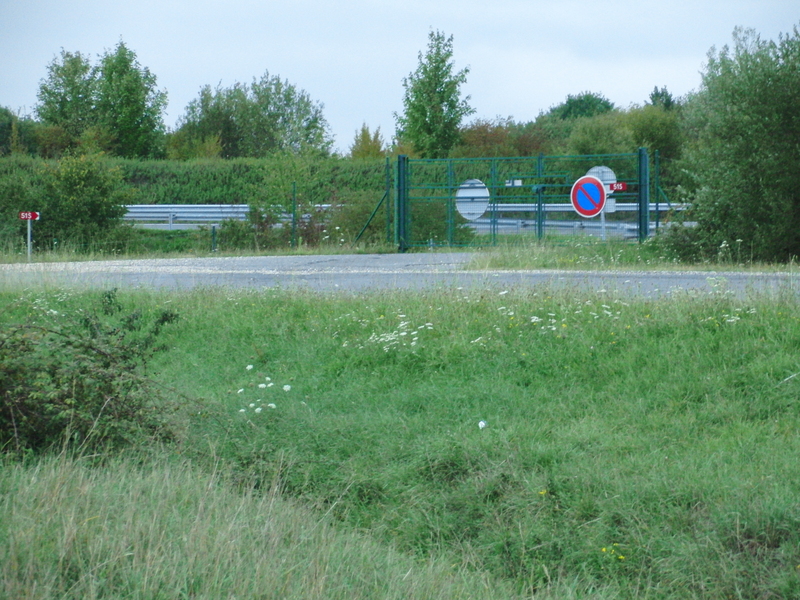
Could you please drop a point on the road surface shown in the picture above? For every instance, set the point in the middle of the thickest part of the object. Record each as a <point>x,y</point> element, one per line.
<point>363,272</point>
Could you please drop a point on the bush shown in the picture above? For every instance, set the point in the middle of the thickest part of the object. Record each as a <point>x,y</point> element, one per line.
<point>83,200</point>
<point>681,243</point>
<point>351,213</point>
<point>745,160</point>
<point>78,379</point>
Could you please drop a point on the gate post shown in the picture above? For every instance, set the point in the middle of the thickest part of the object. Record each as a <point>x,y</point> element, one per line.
<point>644,195</point>
<point>388,192</point>
<point>401,207</point>
<point>540,198</point>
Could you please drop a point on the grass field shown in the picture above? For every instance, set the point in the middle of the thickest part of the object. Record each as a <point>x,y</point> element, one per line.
<point>453,443</point>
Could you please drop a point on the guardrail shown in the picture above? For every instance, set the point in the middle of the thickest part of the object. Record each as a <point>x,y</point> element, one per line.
<point>183,216</point>
<point>191,216</point>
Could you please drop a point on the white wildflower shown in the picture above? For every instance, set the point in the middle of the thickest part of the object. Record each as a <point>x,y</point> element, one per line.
<point>262,385</point>
<point>481,424</point>
<point>249,367</point>
<point>287,388</point>
<point>271,405</point>
<point>240,391</point>
<point>258,410</point>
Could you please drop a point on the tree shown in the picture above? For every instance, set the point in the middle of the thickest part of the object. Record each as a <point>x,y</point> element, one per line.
<point>745,159</point>
<point>268,116</point>
<point>433,107</point>
<point>656,127</point>
<point>662,98</point>
<point>600,134</point>
<point>585,104</point>
<point>368,145</point>
<point>114,106</point>
<point>129,106</point>
<point>67,95</point>
<point>485,138</point>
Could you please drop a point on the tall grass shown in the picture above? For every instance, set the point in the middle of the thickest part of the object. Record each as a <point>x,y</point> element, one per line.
<point>169,530</point>
<point>586,252</point>
<point>573,444</point>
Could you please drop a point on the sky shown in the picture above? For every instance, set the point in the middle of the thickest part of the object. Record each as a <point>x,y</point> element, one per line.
<point>352,55</point>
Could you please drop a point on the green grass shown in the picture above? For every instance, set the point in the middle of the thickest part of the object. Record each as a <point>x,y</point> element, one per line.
<point>591,253</point>
<point>632,448</point>
<point>169,530</point>
<point>137,243</point>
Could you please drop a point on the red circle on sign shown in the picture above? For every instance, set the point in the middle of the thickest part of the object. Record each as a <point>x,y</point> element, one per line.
<point>588,196</point>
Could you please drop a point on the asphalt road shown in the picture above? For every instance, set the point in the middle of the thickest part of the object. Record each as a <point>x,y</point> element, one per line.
<point>357,273</point>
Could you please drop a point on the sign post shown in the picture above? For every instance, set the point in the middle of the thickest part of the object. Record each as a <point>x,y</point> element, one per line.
<point>29,216</point>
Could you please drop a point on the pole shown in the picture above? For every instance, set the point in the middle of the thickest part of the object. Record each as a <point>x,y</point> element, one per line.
<point>644,195</point>
<point>294,214</point>
<point>401,206</point>
<point>29,240</point>
<point>657,186</point>
<point>540,198</point>
<point>603,224</point>
<point>388,194</point>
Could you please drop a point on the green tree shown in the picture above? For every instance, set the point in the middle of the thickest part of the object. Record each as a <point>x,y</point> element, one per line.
<point>432,103</point>
<point>129,106</point>
<point>600,134</point>
<point>585,104</point>
<point>67,95</point>
<point>268,116</point>
<point>656,127</point>
<point>662,98</point>
<point>368,145</point>
<point>114,106</point>
<point>485,138</point>
<point>745,159</point>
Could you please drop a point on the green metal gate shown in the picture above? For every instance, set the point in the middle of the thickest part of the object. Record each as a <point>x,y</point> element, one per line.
<point>523,196</point>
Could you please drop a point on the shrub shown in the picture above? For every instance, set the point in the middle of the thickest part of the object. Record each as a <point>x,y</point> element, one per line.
<point>78,378</point>
<point>83,200</point>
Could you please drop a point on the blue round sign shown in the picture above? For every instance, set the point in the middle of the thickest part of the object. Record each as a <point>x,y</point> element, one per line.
<point>588,196</point>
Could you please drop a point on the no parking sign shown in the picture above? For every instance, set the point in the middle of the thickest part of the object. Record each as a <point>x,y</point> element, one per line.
<point>588,196</point>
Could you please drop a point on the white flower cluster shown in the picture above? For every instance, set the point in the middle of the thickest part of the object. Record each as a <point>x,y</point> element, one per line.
<point>406,335</point>
<point>258,405</point>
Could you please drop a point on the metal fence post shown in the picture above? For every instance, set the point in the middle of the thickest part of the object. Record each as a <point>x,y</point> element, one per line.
<point>294,214</point>
<point>644,195</point>
<point>401,208</point>
<point>657,185</point>
<point>451,218</point>
<point>540,198</point>
<point>388,193</point>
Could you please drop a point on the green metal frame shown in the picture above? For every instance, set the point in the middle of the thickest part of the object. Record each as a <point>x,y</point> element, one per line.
<point>422,183</point>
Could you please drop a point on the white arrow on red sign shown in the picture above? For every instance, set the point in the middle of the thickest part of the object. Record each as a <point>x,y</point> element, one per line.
<point>29,216</point>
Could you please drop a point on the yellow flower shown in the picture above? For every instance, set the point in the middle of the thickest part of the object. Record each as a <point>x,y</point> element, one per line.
<point>603,550</point>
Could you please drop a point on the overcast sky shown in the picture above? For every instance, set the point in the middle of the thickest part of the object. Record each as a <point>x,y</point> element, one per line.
<point>352,55</point>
